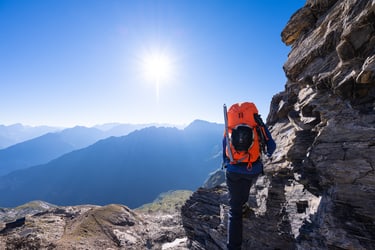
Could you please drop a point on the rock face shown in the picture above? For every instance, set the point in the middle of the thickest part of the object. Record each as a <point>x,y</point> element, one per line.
<point>319,188</point>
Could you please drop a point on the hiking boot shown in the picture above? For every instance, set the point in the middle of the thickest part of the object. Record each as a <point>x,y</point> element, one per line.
<point>246,211</point>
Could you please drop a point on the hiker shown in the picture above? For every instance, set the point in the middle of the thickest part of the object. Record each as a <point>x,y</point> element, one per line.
<point>242,149</point>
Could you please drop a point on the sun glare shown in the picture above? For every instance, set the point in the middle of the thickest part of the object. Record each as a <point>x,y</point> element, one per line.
<point>157,68</point>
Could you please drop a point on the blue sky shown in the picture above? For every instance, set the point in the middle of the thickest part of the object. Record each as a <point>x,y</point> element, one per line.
<point>82,62</point>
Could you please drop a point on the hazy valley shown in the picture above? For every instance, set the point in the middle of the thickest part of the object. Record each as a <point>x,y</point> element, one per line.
<point>132,169</point>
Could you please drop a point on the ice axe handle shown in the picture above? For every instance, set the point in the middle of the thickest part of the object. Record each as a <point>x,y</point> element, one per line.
<point>227,133</point>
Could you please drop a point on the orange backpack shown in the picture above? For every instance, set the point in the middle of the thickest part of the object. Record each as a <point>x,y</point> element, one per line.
<point>246,133</point>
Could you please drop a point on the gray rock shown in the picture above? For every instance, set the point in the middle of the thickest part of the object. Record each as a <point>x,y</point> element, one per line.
<point>95,227</point>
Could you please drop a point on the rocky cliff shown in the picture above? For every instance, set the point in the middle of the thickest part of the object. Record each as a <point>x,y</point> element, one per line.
<point>318,191</point>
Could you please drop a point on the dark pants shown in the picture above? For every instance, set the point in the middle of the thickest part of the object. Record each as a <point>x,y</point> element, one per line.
<point>239,188</point>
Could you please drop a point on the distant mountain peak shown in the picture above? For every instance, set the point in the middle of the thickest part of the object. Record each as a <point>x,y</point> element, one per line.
<point>201,124</point>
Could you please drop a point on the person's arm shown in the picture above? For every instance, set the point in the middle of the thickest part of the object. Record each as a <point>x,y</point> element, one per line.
<point>271,145</point>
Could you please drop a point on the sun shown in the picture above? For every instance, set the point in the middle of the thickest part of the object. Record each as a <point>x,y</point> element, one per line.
<point>157,68</point>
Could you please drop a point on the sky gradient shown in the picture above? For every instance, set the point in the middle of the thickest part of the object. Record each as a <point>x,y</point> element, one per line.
<point>82,62</point>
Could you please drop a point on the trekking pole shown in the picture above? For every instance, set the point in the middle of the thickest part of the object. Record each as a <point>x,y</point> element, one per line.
<point>227,133</point>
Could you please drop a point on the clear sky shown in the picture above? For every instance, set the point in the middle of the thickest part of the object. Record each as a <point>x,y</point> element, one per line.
<point>88,62</point>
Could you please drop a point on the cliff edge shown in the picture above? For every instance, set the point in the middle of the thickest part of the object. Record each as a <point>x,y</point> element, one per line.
<point>318,191</point>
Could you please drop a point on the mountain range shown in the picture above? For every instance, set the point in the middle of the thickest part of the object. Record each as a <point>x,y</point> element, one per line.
<point>49,146</point>
<point>46,148</point>
<point>131,169</point>
<point>16,133</point>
